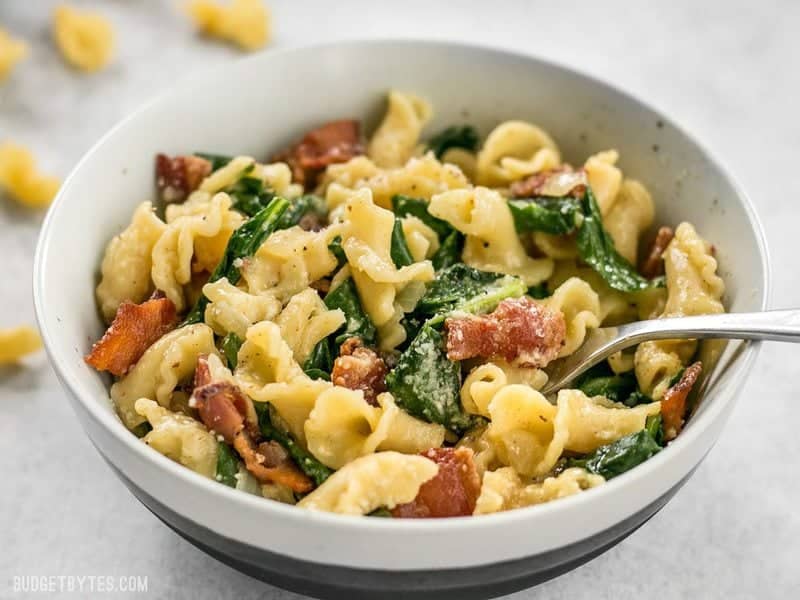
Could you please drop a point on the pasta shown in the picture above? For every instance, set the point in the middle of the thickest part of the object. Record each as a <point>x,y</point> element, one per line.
<point>168,362</point>
<point>244,23</point>
<point>492,243</point>
<point>12,51</point>
<point>370,482</point>
<point>310,345</point>
<point>127,262</point>
<point>514,150</point>
<point>694,288</point>
<point>17,342</point>
<point>21,179</point>
<point>394,141</point>
<point>85,40</point>
<point>179,437</point>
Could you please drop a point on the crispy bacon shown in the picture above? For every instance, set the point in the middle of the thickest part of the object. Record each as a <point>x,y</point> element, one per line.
<point>223,409</point>
<point>270,463</point>
<point>134,329</point>
<point>653,264</point>
<point>519,330</point>
<point>360,368</point>
<point>673,404</point>
<point>535,184</point>
<point>452,493</point>
<point>178,176</point>
<point>334,142</point>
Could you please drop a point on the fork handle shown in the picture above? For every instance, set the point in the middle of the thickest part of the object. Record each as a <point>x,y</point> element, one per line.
<point>775,325</point>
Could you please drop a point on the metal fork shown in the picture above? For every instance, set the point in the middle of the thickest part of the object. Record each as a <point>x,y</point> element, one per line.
<point>774,325</point>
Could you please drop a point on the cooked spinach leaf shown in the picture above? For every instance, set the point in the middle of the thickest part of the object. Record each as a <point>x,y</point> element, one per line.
<point>398,249</point>
<point>217,160</point>
<point>319,363</point>
<point>227,465</point>
<point>230,349</point>
<point>336,249</point>
<point>655,428</point>
<point>596,248</point>
<point>357,324</point>
<point>449,253</point>
<point>142,429</point>
<point>539,291</point>
<point>426,384</point>
<point>619,456</point>
<point>302,206</point>
<point>242,243</point>
<point>307,463</point>
<point>381,512</point>
<point>465,289</point>
<point>249,195</point>
<point>600,380</point>
<point>455,136</point>
<point>556,216</point>
<point>405,206</point>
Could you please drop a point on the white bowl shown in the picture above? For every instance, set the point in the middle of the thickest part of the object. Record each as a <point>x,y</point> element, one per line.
<point>256,106</point>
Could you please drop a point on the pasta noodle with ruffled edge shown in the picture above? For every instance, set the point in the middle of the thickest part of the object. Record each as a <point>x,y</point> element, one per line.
<point>384,479</point>
<point>165,364</point>
<point>693,288</point>
<point>420,178</point>
<point>267,372</point>
<point>393,142</point>
<point>504,489</point>
<point>305,321</point>
<point>630,214</point>
<point>233,310</point>
<point>580,305</point>
<point>127,262</point>
<point>201,234</point>
<point>604,178</point>
<point>514,150</point>
<point>179,437</point>
<point>530,434</point>
<point>366,239</point>
<point>492,243</point>
<point>484,381</point>
<point>18,342</point>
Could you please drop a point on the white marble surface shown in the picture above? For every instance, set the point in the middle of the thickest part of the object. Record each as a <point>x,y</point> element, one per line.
<point>726,70</point>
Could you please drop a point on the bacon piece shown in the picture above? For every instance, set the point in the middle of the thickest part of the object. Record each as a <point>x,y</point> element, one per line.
<point>673,404</point>
<point>452,493</point>
<point>360,368</point>
<point>334,142</point>
<point>653,264</point>
<point>134,329</point>
<point>535,184</point>
<point>223,409</point>
<point>270,463</point>
<point>177,177</point>
<point>519,330</point>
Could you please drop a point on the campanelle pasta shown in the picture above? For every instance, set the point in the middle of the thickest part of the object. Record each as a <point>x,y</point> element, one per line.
<point>367,333</point>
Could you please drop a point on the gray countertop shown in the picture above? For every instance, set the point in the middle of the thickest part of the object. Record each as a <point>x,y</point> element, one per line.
<point>725,70</point>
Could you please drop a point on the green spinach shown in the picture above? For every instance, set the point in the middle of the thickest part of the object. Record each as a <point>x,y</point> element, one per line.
<point>600,380</point>
<point>217,160</point>
<point>307,463</point>
<point>463,136</point>
<point>357,323</point>
<point>405,206</point>
<point>230,346</point>
<point>539,291</point>
<point>426,384</point>
<point>557,216</point>
<point>227,465</point>
<point>319,363</point>
<point>596,249</point>
<point>449,252</point>
<point>398,249</point>
<point>619,456</point>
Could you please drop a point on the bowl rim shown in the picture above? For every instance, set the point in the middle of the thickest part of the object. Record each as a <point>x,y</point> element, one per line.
<point>111,423</point>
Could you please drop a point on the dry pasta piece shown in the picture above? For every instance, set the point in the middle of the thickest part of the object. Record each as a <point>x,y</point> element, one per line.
<point>452,493</point>
<point>134,329</point>
<point>21,179</point>
<point>11,52</point>
<point>85,39</point>
<point>245,23</point>
<point>17,342</point>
